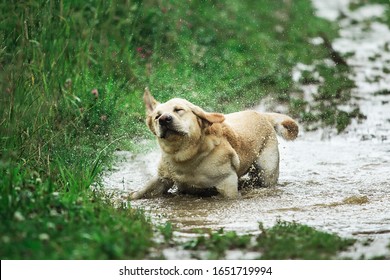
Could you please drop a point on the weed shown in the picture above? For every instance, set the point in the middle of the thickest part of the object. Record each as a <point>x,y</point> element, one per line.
<point>285,240</point>
<point>217,243</point>
<point>288,240</point>
<point>166,231</point>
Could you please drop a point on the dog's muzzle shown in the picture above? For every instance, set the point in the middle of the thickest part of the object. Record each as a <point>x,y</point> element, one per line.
<point>167,128</point>
<point>165,120</point>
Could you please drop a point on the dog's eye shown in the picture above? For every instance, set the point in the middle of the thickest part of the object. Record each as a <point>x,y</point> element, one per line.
<point>157,116</point>
<point>178,110</point>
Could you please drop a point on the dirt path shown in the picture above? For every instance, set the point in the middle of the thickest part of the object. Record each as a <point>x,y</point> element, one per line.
<point>337,183</point>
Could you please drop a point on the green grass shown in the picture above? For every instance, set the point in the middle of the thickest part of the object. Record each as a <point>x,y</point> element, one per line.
<point>41,223</point>
<point>217,243</point>
<point>285,240</point>
<point>288,240</point>
<point>72,77</point>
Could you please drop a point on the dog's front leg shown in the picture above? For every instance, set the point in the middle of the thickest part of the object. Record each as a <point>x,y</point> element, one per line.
<point>155,187</point>
<point>228,187</point>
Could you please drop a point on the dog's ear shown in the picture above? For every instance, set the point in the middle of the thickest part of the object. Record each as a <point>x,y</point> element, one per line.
<point>209,117</point>
<point>150,102</point>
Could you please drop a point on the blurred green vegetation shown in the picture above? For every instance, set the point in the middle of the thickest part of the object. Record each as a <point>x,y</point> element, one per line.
<point>71,80</point>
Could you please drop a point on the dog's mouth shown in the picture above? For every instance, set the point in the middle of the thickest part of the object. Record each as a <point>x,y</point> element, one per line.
<point>165,132</point>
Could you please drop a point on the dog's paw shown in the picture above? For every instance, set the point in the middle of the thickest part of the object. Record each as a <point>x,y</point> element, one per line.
<point>135,195</point>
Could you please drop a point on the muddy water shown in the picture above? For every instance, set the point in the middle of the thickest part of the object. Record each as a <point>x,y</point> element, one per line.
<point>336,183</point>
<point>337,186</point>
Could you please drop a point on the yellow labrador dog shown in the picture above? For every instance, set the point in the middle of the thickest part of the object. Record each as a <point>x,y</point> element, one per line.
<point>205,150</point>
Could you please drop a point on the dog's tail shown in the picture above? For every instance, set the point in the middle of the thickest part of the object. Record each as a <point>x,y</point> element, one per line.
<point>284,125</point>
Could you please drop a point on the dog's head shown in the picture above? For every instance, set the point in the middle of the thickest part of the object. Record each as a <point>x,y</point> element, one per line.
<point>177,118</point>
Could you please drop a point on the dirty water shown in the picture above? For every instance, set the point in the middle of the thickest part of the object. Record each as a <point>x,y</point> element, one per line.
<point>337,186</point>
<point>335,183</point>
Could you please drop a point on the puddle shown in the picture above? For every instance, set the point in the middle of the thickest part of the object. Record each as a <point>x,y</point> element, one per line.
<point>336,185</point>
<point>340,185</point>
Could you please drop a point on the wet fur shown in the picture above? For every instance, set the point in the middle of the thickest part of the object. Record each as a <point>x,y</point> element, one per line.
<point>204,150</point>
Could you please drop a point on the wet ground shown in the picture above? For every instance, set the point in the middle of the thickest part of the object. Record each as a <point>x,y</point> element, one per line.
<point>336,183</point>
<point>336,186</point>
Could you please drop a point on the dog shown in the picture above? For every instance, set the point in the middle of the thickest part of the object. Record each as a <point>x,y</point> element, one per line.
<point>212,150</point>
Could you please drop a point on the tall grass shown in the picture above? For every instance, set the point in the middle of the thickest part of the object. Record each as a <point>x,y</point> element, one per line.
<point>60,86</point>
<point>61,81</point>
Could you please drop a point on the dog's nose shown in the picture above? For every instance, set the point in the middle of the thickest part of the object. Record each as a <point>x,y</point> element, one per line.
<point>165,119</point>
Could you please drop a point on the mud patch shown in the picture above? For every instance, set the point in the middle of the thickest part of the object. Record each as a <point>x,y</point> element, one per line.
<point>353,200</point>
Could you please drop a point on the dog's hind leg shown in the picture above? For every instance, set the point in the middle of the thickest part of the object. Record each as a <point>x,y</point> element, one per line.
<point>266,167</point>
